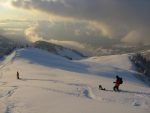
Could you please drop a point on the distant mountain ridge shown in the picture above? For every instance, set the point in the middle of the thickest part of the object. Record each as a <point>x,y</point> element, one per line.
<point>59,50</point>
<point>122,49</point>
<point>7,46</point>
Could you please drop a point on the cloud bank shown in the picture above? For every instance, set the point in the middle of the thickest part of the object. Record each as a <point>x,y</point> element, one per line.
<point>125,20</point>
<point>32,34</point>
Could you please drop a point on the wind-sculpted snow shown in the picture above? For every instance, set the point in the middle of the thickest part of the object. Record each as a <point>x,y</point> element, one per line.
<point>52,84</point>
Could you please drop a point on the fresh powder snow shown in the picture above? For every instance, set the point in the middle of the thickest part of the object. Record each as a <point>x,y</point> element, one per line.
<point>52,84</point>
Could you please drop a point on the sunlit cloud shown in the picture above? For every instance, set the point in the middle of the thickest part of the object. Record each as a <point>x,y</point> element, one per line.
<point>71,44</point>
<point>101,28</point>
<point>14,26</point>
<point>30,33</point>
<point>136,37</point>
<point>113,19</point>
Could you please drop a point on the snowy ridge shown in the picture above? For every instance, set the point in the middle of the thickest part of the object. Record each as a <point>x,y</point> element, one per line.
<point>59,50</point>
<point>53,84</point>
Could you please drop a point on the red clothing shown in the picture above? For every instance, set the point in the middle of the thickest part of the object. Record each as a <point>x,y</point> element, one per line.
<point>117,83</point>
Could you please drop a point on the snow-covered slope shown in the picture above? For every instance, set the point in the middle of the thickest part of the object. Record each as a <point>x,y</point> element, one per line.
<point>53,84</point>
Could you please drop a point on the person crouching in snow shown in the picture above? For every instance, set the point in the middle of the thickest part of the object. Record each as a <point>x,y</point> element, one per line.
<point>117,83</point>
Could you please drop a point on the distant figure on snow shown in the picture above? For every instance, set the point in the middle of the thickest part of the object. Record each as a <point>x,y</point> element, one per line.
<point>117,83</point>
<point>18,75</point>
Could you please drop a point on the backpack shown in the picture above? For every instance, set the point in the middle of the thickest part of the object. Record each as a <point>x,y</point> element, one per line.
<point>121,81</point>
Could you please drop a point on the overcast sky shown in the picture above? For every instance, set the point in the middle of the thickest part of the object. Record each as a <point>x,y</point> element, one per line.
<point>89,22</point>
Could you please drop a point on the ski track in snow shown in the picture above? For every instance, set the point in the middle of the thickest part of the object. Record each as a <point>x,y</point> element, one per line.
<point>80,90</point>
<point>9,108</point>
<point>9,105</point>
